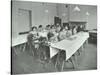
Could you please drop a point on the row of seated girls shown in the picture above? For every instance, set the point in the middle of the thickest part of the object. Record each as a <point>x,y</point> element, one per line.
<point>39,37</point>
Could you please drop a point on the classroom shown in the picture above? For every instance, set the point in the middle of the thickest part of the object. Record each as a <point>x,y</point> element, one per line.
<point>52,37</point>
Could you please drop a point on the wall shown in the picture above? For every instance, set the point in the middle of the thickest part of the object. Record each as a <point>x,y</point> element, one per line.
<point>39,14</point>
<point>63,12</point>
<point>68,14</point>
<point>81,15</point>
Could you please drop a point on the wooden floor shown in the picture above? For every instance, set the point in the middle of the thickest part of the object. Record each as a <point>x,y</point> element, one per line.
<point>24,63</point>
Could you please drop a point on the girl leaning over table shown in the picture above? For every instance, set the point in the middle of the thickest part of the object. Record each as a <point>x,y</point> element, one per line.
<point>38,39</point>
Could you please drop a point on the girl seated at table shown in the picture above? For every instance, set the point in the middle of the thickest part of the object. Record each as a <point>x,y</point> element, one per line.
<point>80,28</point>
<point>58,28</point>
<point>42,48</point>
<point>47,27</point>
<point>34,31</point>
<point>52,29</point>
<point>52,37</point>
<point>53,34</point>
<point>68,30</point>
<point>43,33</point>
<point>35,38</point>
<point>31,44</point>
<point>74,30</point>
<point>40,28</point>
<point>64,33</point>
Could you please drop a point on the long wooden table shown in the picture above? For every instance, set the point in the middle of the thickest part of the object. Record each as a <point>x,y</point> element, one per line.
<point>70,46</point>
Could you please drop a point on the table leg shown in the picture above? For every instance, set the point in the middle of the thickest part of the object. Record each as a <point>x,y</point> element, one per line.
<point>62,67</point>
<point>24,46</point>
<point>79,52</point>
<point>82,48</point>
<point>74,61</point>
<point>84,45</point>
<point>71,59</point>
<point>21,47</point>
<point>14,49</point>
<point>57,60</point>
<point>87,42</point>
<point>75,57</point>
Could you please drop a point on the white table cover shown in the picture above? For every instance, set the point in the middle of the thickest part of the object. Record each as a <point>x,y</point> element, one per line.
<point>19,40</point>
<point>69,46</point>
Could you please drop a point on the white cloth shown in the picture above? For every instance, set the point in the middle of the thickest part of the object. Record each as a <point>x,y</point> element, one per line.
<point>42,34</point>
<point>70,46</point>
<point>74,31</point>
<point>19,40</point>
<point>93,31</point>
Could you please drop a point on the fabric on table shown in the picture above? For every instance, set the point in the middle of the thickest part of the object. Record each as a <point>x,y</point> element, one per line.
<point>69,46</point>
<point>19,40</point>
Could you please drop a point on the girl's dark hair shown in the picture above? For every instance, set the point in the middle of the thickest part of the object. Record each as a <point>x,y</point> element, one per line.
<point>49,35</point>
<point>57,25</point>
<point>61,28</point>
<point>42,38</point>
<point>34,27</point>
<point>73,27</point>
<point>40,26</point>
<point>47,25</point>
<point>67,25</point>
<point>52,26</point>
